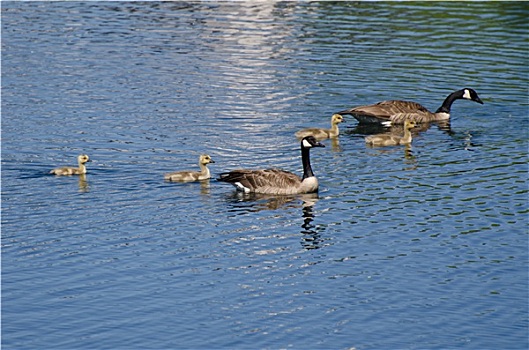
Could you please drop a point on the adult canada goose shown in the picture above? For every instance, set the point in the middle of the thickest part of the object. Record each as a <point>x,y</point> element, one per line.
<point>185,176</point>
<point>81,160</point>
<point>276,181</point>
<point>390,139</point>
<point>395,111</point>
<point>320,133</point>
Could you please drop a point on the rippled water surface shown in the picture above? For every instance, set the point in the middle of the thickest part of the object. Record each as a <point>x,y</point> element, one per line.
<point>409,248</point>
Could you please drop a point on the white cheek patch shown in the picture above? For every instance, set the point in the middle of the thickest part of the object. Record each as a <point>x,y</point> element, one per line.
<point>306,144</point>
<point>467,95</point>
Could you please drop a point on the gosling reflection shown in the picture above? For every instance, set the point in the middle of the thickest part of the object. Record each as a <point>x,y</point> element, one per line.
<point>205,187</point>
<point>83,183</point>
<point>335,144</point>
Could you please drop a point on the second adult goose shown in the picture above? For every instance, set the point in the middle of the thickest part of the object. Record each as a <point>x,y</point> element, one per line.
<point>395,111</point>
<point>185,176</point>
<point>67,170</point>
<point>321,134</point>
<point>276,181</point>
<point>390,139</point>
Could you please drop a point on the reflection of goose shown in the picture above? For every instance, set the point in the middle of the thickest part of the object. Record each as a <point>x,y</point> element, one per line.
<point>276,181</point>
<point>320,133</point>
<point>390,139</point>
<point>255,202</point>
<point>395,111</point>
<point>185,176</point>
<point>81,160</point>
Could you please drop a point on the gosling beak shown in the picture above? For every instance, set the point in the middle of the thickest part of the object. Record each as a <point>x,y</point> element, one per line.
<point>212,161</point>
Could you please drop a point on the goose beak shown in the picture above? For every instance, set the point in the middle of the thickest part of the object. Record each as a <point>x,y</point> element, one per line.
<point>318,144</point>
<point>478,100</point>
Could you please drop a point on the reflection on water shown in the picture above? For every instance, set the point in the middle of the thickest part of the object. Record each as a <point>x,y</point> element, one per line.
<point>83,183</point>
<point>205,185</point>
<point>398,129</point>
<point>311,238</point>
<point>335,144</point>
<point>133,81</point>
<point>251,203</point>
<point>255,202</point>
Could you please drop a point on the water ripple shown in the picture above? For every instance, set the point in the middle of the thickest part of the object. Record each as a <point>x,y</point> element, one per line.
<point>419,247</point>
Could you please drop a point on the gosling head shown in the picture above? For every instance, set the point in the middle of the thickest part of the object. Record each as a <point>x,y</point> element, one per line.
<point>83,158</point>
<point>310,141</point>
<point>206,159</point>
<point>336,118</point>
<point>470,94</point>
<point>409,124</point>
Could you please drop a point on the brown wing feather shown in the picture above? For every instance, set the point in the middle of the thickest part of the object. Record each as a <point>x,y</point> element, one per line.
<point>394,110</point>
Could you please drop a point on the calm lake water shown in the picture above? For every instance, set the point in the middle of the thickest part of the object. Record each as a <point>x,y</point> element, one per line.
<point>421,248</point>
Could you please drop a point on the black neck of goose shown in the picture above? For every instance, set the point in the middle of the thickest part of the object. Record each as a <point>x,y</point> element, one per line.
<point>305,158</point>
<point>447,104</point>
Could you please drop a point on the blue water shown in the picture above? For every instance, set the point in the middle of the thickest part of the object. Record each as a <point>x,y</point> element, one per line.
<point>403,248</point>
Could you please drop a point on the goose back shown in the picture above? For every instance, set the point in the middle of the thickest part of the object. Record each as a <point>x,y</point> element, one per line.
<point>394,111</point>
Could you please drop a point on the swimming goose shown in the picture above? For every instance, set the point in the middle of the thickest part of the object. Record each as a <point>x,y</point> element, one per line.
<point>81,160</point>
<point>185,176</point>
<point>395,111</point>
<point>390,139</point>
<point>320,133</point>
<point>276,181</point>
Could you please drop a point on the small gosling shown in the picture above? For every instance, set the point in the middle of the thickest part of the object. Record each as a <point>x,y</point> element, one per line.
<point>186,176</point>
<point>81,160</point>
<point>392,140</point>
<point>320,133</point>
